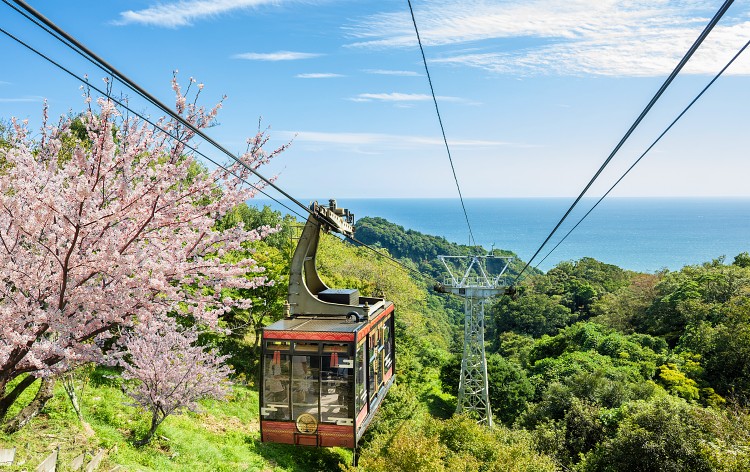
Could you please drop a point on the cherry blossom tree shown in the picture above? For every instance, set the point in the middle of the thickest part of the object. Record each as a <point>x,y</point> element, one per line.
<point>99,233</point>
<point>168,371</point>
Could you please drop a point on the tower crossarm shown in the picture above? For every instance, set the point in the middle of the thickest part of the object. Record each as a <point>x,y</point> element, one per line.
<point>475,275</point>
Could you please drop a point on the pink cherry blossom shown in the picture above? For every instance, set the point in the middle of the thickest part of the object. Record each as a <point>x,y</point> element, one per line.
<point>106,226</point>
<point>168,371</point>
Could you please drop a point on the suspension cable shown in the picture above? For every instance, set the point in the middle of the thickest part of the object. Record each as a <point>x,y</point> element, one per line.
<point>635,124</point>
<point>442,128</point>
<point>648,149</point>
<point>72,42</point>
<point>391,260</point>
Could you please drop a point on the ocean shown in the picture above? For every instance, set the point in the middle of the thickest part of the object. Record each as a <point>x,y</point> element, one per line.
<point>640,234</point>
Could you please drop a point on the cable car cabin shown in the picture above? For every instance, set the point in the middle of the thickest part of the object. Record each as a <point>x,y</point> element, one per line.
<point>326,366</point>
<point>323,378</point>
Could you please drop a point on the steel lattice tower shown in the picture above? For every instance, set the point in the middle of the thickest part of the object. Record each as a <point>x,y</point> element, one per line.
<point>476,286</point>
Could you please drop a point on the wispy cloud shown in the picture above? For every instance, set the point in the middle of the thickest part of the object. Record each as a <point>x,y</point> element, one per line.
<point>22,100</point>
<point>400,97</point>
<point>276,56</point>
<point>377,141</point>
<point>576,37</point>
<point>402,73</point>
<point>186,12</point>
<point>319,75</point>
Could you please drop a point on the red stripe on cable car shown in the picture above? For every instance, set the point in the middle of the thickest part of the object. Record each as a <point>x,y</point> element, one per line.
<point>307,335</point>
<point>328,434</point>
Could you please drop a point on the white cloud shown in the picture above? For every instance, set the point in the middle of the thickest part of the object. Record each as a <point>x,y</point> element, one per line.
<point>185,12</point>
<point>276,56</point>
<point>575,37</point>
<point>22,100</point>
<point>318,75</point>
<point>600,57</point>
<point>400,97</point>
<point>388,141</point>
<point>402,73</point>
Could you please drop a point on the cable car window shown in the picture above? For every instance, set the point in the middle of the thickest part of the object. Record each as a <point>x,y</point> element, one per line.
<point>277,345</point>
<point>305,386</point>
<point>335,348</point>
<point>276,382</point>
<point>387,345</point>
<point>373,365</point>
<point>381,355</point>
<point>361,392</point>
<point>337,369</point>
<point>305,347</point>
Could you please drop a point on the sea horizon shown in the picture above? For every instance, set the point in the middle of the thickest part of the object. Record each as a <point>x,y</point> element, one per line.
<point>644,234</point>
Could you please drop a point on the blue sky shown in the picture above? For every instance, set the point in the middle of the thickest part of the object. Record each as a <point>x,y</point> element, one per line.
<point>533,94</point>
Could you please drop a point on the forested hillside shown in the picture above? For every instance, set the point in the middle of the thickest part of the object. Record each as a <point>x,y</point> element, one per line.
<point>600,368</point>
<point>592,368</point>
<point>422,249</point>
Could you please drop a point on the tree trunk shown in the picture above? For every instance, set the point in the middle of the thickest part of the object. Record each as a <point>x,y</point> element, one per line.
<point>155,422</point>
<point>7,400</point>
<point>45,392</point>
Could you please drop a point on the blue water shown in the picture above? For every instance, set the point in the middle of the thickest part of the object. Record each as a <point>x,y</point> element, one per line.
<point>642,234</point>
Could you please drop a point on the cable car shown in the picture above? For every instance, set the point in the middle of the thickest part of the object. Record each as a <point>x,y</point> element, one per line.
<point>325,367</point>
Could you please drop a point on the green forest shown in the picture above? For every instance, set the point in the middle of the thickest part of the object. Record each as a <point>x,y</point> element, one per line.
<point>591,368</point>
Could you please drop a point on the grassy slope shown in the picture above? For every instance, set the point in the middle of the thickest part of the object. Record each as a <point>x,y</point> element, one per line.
<point>224,436</point>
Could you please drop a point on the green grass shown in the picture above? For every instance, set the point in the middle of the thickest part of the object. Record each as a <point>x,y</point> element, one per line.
<point>223,436</point>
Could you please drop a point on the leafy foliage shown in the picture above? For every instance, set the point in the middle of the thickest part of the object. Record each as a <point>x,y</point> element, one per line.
<point>633,389</point>
<point>509,387</point>
<point>423,444</point>
<point>533,314</point>
<point>244,324</point>
<point>663,435</point>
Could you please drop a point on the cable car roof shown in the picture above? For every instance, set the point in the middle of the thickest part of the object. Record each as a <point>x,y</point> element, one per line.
<point>317,323</point>
<point>325,328</point>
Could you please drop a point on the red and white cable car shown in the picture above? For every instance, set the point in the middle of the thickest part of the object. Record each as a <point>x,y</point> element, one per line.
<point>326,366</point>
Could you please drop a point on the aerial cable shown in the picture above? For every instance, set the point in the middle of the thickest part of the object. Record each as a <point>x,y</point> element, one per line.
<point>126,107</point>
<point>648,149</point>
<point>189,146</point>
<point>635,124</point>
<point>195,150</point>
<point>440,120</point>
<point>72,42</point>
